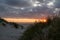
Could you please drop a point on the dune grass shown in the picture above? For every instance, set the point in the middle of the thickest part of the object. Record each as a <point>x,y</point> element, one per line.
<point>43,31</point>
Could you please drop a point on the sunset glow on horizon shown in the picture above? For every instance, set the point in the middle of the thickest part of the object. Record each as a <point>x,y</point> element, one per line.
<point>24,20</point>
<point>20,20</point>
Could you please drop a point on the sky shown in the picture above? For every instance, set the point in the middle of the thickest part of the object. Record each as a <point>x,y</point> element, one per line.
<point>28,8</point>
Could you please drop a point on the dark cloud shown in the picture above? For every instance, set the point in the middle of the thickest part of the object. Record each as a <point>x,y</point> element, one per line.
<point>20,3</point>
<point>57,4</point>
<point>40,1</point>
<point>2,9</point>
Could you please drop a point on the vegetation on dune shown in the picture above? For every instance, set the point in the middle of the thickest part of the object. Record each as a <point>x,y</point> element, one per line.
<point>16,25</point>
<point>4,22</point>
<point>43,31</point>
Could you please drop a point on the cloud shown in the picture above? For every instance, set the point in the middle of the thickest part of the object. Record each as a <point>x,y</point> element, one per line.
<point>13,8</point>
<point>57,4</point>
<point>2,9</point>
<point>19,3</point>
<point>41,1</point>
